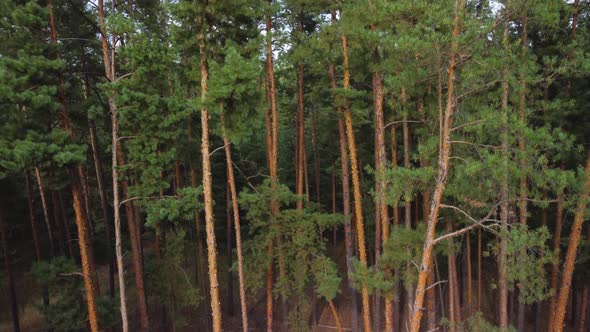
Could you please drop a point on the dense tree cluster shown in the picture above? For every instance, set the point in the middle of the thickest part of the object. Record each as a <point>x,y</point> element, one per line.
<point>364,165</point>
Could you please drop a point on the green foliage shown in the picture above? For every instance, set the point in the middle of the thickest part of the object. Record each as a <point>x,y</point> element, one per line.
<point>402,252</point>
<point>174,209</point>
<point>402,184</point>
<point>477,323</point>
<point>64,283</point>
<point>302,249</point>
<point>169,279</point>
<point>527,255</point>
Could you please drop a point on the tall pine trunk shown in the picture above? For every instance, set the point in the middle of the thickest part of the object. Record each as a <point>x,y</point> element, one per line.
<point>358,204</point>
<point>86,252</point>
<point>208,189</point>
<point>504,204</point>
<point>115,146</point>
<point>45,210</point>
<point>443,168</point>
<point>381,209</point>
<point>229,302</point>
<point>468,304</point>
<point>103,199</point>
<point>570,258</point>
<point>558,225</point>
<point>397,291</point>
<point>236,213</point>
<point>272,152</point>
<point>521,147</point>
<point>344,167</point>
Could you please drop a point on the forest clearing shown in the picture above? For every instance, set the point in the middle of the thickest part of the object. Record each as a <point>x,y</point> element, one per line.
<point>295,165</point>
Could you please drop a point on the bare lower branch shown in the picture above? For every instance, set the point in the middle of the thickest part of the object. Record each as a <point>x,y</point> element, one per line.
<point>130,199</point>
<point>219,148</point>
<point>436,283</point>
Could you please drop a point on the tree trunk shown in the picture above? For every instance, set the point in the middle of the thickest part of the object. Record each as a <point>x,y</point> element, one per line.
<point>65,225</point>
<point>300,138</point>
<point>199,271</point>
<point>407,165</point>
<point>469,277</point>
<point>570,258</point>
<point>35,232</point>
<point>479,276</point>
<point>454,298</point>
<point>443,168</point>
<point>229,303</point>
<point>58,224</point>
<point>335,314</point>
<point>358,207</point>
<point>557,236</point>
<point>348,236</point>
<point>407,203</point>
<point>334,207</point>
<point>9,274</point>
<point>397,291</point>
<point>316,157</point>
<point>272,151</point>
<point>86,253</point>
<point>45,210</point>
<point>504,196</point>
<point>381,209</point>
<point>521,147</point>
<point>115,146</point>
<point>208,190</point>
<point>236,213</point>
<point>103,200</point>
<point>583,310</point>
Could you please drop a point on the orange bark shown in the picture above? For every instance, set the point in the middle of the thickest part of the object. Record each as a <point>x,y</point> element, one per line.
<point>358,207</point>
<point>570,258</point>
<point>335,314</point>
<point>236,212</point>
<point>208,191</point>
<point>443,168</point>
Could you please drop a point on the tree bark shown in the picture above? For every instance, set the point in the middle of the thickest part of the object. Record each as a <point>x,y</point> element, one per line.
<point>229,303</point>
<point>115,146</point>
<point>344,166</point>
<point>316,156</point>
<point>454,298</point>
<point>469,304</point>
<point>236,214</point>
<point>86,253</point>
<point>65,224</point>
<point>382,212</point>
<point>479,276</point>
<point>521,147</point>
<point>443,169</point>
<point>59,228</point>
<point>503,321</point>
<point>272,151</point>
<point>9,274</point>
<point>570,258</point>
<point>335,314</point>
<point>199,271</point>
<point>358,207</point>
<point>208,190</point>
<point>394,164</point>
<point>45,210</point>
<point>583,310</point>
<point>103,199</point>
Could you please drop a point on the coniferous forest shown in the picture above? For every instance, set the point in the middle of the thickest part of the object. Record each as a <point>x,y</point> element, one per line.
<point>295,165</point>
